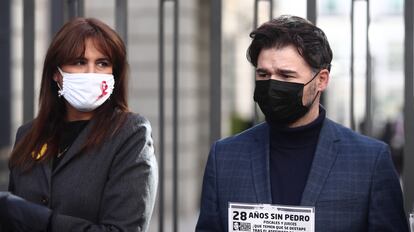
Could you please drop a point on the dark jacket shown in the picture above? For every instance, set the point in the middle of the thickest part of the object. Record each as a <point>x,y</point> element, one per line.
<point>352,182</point>
<point>109,188</point>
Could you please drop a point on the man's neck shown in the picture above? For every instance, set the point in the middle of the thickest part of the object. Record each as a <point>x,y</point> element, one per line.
<point>309,117</point>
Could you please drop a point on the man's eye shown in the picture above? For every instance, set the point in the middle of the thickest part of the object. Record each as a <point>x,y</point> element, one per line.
<point>286,75</point>
<point>263,75</point>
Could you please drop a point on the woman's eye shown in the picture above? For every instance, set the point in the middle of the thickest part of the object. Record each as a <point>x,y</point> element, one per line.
<point>103,64</point>
<point>79,62</point>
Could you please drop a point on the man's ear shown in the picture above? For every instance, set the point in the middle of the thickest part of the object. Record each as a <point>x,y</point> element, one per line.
<point>323,79</point>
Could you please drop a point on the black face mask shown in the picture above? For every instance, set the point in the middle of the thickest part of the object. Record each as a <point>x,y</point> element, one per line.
<point>281,101</point>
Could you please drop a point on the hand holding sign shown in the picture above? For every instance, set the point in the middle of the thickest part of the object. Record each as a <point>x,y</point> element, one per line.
<point>270,218</point>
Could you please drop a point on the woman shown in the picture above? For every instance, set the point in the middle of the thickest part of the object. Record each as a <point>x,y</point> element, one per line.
<point>85,163</point>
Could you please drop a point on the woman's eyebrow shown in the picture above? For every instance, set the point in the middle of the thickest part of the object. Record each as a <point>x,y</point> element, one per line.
<point>103,58</point>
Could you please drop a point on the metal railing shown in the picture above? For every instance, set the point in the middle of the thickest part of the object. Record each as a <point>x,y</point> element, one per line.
<point>28,59</point>
<point>5,78</point>
<point>162,114</point>
<point>255,25</point>
<point>408,171</point>
<point>367,123</point>
<point>215,69</point>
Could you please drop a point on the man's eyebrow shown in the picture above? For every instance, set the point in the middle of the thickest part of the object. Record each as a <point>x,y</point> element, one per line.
<point>262,70</point>
<point>286,71</point>
<point>279,70</point>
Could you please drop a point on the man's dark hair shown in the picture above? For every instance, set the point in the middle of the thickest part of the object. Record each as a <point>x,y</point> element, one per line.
<point>309,40</point>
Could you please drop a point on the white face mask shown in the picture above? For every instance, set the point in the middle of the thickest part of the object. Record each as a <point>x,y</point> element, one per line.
<point>86,91</point>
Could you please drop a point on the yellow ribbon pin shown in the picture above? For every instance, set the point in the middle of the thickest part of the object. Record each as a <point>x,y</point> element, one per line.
<point>41,153</point>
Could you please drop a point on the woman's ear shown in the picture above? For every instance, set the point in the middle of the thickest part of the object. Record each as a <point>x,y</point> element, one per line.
<point>57,77</point>
<point>323,79</point>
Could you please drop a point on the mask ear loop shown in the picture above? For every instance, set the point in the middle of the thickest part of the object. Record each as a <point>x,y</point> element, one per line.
<point>314,99</point>
<point>312,78</point>
<point>60,91</point>
<point>318,90</point>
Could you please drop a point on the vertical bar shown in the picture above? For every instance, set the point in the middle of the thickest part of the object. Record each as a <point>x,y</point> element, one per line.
<point>175,118</point>
<point>215,70</point>
<point>311,15</point>
<point>28,59</point>
<point>161,115</point>
<point>352,71</point>
<point>81,8</point>
<point>175,114</point>
<point>57,16</point>
<point>271,9</point>
<point>311,11</point>
<point>255,25</point>
<point>121,19</point>
<point>408,171</point>
<point>75,8</point>
<point>5,66</point>
<point>255,22</point>
<point>255,13</point>
<point>368,88</point>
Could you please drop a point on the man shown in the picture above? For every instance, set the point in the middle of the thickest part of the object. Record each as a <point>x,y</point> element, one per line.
<point>298,157</point>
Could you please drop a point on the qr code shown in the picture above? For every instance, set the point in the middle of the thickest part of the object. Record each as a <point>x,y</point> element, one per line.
<point>242,226</point>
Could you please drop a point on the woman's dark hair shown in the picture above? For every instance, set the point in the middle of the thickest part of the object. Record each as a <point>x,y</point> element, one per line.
<point>309,40</point>
<point>67,46</point>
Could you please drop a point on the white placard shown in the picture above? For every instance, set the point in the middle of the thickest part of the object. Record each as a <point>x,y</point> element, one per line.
<point>270,218</point>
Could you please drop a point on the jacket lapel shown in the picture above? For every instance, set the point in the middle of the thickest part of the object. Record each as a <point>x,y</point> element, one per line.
<point>47,170</point>
<point>74,148</point>
<point>325,156</point>
<point>260,164</point>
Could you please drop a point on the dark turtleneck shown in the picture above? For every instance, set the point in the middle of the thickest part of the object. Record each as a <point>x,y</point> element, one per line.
<point>70,132</point>
<point>291,155</point>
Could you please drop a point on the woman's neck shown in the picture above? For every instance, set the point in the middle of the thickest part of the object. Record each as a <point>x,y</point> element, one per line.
<point>73,114</point>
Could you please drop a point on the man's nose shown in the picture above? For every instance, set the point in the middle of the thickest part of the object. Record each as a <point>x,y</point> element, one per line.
<point>276,77</point>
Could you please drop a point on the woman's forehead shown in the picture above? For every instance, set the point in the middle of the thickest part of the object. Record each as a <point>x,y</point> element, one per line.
<point>94,49</point>
<point>90,46</point>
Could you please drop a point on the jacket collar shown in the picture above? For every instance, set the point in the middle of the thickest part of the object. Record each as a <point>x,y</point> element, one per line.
<point>260,164</point>
<point>325,156</point>
<point>73,150</point>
